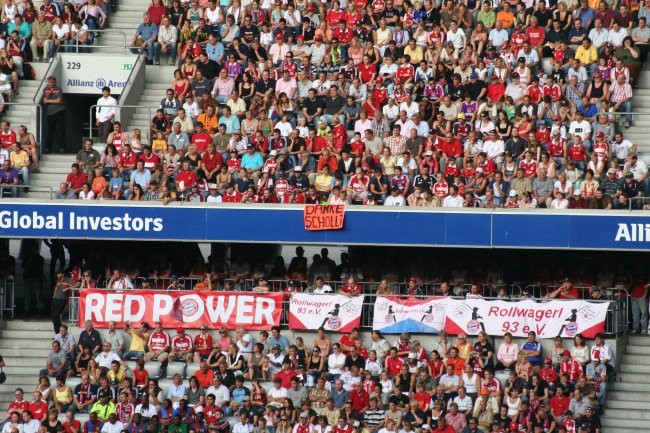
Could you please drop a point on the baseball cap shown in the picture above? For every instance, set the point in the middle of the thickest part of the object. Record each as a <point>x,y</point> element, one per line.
<point>297,168</point>
<point>379,80</point>
<point>479,170</point>
<point>426,427</point>
<point>494,78</point>
<point>318,38</point>
<point>512,193</point>
<point>532,333</point>
<point>304,415</point>
<point>611,171</point>
<point>515,75</point>
<point>280,36</point>
<point>601,134</point>
<point>300,37</point>
<point>461,115</point>
<point>566,352</point>
<point>473,75</point>
<point>273,153</point>
<point>212,186</point>
<point>413,280</point>
<point>548,361</point>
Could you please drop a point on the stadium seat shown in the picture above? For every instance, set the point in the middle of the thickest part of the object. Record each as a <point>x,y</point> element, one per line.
<point>191,368</point>
<point>153,368</point>
<point>176,367</point>
<point>72,382</point>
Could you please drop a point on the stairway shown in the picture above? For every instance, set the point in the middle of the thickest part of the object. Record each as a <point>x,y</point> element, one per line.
<point>126,18</point>
<point>53,170</point>
<point>24,347</point>
<point>158,79</point>
<point>638,133</point>
<point>627,407</point>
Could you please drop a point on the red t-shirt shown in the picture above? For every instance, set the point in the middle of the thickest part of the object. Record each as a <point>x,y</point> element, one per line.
<point>201,140</point>
<point>7,139</point>
<point>577,152</point>
<point>38,410</point>
<point>367,71</point>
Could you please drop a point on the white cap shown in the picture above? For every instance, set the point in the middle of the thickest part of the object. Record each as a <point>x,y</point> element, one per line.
<point>273,153</point>
<point>297,168</point>
<point>212,186</point>
<point>428,153</point>
<point>479,170</point>
<point>513,193</point>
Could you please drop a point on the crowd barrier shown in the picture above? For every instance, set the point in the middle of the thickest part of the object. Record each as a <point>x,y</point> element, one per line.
<point>4,191</point>
<point>616,322</point>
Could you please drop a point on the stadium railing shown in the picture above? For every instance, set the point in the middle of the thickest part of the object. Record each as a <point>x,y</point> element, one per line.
<point>616,322</point>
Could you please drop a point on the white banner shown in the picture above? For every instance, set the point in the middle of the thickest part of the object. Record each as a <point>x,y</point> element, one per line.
<point>547,319</point>
<point>84,73</point>
<point>338,313</point>
<point>394,315</point>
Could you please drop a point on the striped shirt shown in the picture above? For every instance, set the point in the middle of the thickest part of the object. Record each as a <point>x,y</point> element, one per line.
<point>620,92</point>
<point>373,418</point>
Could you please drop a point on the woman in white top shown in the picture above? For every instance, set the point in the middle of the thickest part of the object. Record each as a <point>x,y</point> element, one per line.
<point>336,361</point>
<point>513,401</point>
<point>9,11</point>
<point>470,380</point>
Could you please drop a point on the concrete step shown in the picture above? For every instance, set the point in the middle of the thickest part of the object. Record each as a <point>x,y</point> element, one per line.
<point>60,170</point>
<point>637,350</point>
<point>630,407</point>
<point>33,325</point>
<point>628,396</point>
<point>614,415</point>
<point>26,381</point>
<point>26,350</point>
<point>640,368</point>
<point>9,334</point>
<point>613,424</point>
<point>633,359</point>
<point>629,386</point>
<point>638,340</point>
<point>54,184</point>
<point>47,177</point>
<point>17,361</point>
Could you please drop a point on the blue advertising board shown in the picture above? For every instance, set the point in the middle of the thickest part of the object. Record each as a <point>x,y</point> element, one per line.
<point>363,226</point>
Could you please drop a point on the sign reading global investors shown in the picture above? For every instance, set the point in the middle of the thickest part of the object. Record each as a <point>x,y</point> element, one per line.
<point>173,309</point>
<point>394,315</point>
<point>546,319</point>
<point>363,226</point>
<point>337,313</point>
<point>83,73</point>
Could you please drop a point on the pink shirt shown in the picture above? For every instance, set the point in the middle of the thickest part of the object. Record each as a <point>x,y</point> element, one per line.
<point>223,87</point>
<point>287,87</point>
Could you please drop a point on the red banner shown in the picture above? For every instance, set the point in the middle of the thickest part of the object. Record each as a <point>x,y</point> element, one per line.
<point>324,217</point>
<point>188,309</point>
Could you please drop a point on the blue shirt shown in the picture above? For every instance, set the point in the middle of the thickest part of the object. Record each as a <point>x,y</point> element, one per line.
<point>586,17</point>
<point>176,391</point>
<point>253,161</point>
<point>280,341</point>
<point>588,111</point>
<point>340,398</point>
<point>533,346</point>
<point>141,178</point>
<point>232,123</point>
<point>214,51</point>
<point>147,31</point>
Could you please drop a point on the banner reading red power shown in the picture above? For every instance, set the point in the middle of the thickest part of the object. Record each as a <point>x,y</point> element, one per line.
<point>191,309</point>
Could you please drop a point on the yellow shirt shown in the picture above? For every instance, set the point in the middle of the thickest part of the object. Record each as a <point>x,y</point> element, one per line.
<point>19,160</point>
<point>417,54</point>
<point>586,56</point>
<point>159,146</point>
<point>323,183</point>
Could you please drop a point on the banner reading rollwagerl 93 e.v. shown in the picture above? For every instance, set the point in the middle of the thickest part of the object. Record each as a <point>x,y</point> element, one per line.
<point>182,308</point>
<point>546,319</point>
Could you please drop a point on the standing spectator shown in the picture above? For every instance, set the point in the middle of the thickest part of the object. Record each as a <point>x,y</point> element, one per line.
<point>105,114</point>
<point>55,112</point>
<point>639,297</point>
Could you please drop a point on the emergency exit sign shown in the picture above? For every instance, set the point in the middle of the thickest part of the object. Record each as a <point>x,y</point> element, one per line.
<point>127,66</point>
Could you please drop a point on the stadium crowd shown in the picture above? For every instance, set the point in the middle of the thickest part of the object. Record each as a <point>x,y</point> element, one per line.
<point>346,384</point>
<point>490,104</point>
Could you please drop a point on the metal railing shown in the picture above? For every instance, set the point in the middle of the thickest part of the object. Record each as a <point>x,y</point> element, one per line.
<point>7,297</point>
<point>118,107</point>
<point>125,48</point>
<point>32,188</point>
<point>616,322</point>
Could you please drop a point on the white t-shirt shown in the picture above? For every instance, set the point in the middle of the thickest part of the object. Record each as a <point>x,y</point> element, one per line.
<point>60,32</point>
<point>104,359</point>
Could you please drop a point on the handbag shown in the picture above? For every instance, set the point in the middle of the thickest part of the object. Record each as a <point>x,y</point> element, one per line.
<point>3,376</point>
